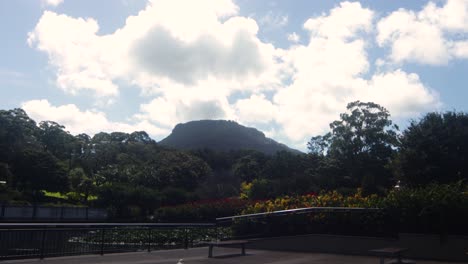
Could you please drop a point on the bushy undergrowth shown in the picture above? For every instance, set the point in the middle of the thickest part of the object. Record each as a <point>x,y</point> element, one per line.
<point>325,199</point>
<point>440,209</point>
<point>435,208</point>
<point>201,211</point>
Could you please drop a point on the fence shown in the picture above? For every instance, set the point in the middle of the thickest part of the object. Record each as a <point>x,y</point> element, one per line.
<point>51,240</point>
<point>49,213</point>
<point>33,240</point>
<point>370,222</point>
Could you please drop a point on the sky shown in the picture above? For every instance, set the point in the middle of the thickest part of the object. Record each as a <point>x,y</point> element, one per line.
<point>288,68</point>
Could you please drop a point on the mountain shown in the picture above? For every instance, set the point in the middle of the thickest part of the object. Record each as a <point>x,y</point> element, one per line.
<point>221,135</point>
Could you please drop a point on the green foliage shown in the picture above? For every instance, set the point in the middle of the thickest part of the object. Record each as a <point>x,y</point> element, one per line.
<point>201,211</point>
<point>221,136</point>
<point>56,140</point>
<point>434,150</point>
<point>133,176</point>
<point>36,170</point>
<point>249,167</point>
<point>125,201</point>
<point>363,142</point>
<point>438,209</point>
<point>431,209</point>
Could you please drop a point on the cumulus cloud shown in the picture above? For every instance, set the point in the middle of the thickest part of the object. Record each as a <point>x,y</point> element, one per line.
<point>52,3</point>
<point>428,36</point>
<point>330,71</point>
<point>163,55</point>
<point>168,112</point>
<point>206,62</point>
<point>294,37</point>
<point>342,22</point>
<point>256,109</point>
<point>76,52</point>
<point>181,105</point>
<point>161,45</point>
<point>90,122</point>
<point>273,20</point>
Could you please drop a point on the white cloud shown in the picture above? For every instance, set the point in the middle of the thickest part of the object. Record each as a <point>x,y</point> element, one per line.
<point>52,3</point>
<point>161,54</point>
<point>401,93</point>
<point>89,121</point>
<point>256,109</point>
<point>273,20</point>
<point>342,22</point>
<point>428,36</point>
<point>294,37</point>
<point>460,49</point>
<point>190,61</point>
<point>77,53</point>
<point>170,111</point>
<point>329,72</point>
<point>161,46</point>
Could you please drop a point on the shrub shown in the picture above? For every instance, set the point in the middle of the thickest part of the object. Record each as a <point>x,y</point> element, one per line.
<point>201,211</point>
<point>437,209</point>
<point>432,209</point>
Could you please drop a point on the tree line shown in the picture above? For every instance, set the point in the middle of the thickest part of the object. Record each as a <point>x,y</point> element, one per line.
<point>132,176</point>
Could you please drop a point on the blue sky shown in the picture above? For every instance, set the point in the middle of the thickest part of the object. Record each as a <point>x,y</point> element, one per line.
<point>286,67</point>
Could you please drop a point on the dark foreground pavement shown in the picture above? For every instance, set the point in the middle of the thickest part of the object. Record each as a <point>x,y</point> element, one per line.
<point>221,256</point>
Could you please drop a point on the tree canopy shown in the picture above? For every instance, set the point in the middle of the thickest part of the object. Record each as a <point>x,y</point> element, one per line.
<point>434,149</point>
<point>133,176</point>
<point>363,141</point>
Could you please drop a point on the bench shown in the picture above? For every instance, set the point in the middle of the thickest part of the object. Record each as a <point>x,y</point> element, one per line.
<point>226,243</point>
<point>391,252</point>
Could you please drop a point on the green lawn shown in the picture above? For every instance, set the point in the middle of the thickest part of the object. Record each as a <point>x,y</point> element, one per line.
<point>66,196</point>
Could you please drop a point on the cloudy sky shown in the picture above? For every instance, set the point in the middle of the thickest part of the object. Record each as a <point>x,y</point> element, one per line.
<point>287,68</point>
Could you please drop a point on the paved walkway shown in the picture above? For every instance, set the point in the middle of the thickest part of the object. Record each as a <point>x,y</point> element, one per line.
<point>221,256</point>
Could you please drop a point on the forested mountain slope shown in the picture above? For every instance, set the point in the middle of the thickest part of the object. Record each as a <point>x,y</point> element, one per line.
<point>221,136</point>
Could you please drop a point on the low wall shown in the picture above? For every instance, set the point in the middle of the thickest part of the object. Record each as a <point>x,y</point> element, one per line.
<point>46,213</point>
<point>451,248</point>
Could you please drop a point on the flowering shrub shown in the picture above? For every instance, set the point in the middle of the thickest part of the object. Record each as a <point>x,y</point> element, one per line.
<point>326,199</point>
<point>201,211</point>
<point>360,223</point>
<point>441,209</point>
<point>432,209</point>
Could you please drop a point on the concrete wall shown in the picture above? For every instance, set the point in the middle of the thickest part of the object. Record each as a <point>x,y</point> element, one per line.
<point>31,213</point>
<point>452,248</point>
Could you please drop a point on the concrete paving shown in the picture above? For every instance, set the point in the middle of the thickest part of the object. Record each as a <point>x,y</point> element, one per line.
<point>221,256</point>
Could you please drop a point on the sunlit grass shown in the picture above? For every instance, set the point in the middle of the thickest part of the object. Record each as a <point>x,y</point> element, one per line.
<point>68,196</point>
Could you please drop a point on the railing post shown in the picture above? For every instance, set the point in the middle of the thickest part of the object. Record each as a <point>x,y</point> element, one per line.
<point>186,238</point>
<point>43,238</point>
<point>102,241</point>
<point>34,213</point>
<point>61,213</point>
<point>149,239</point>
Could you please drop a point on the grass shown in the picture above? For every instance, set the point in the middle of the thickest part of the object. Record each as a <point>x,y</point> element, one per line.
<point>68,195</point>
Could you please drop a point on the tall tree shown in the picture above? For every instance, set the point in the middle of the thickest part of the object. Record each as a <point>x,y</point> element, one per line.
<point>56,140</point>
<point>17,131</point>
<point>36,170</point>
<point>434,149</point>
<point>363,141</point>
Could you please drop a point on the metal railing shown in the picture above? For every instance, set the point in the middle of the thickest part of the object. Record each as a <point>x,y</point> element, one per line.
<point>350,221</point>
<point>305,210</point>
<point>31,240</point>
